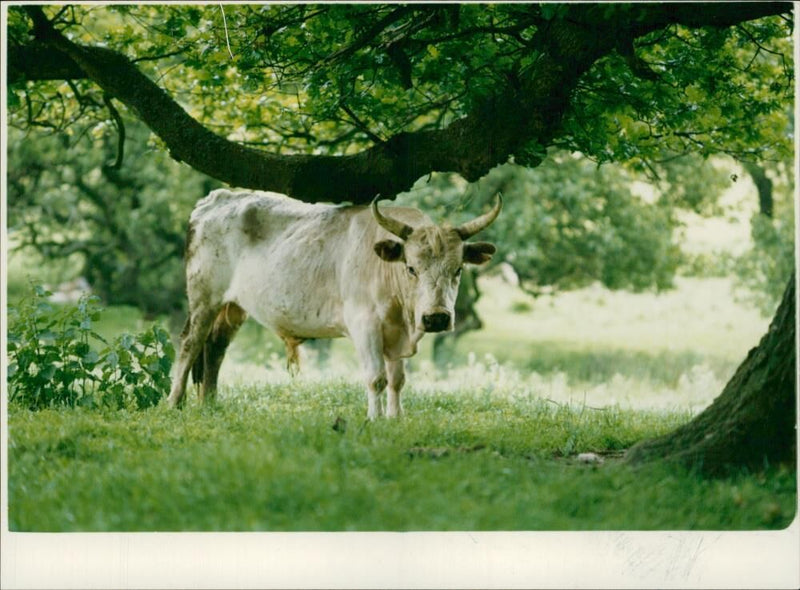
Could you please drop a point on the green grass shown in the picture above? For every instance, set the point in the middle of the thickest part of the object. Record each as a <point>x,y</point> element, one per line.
<point>268,459</point>
<point>488,444</point>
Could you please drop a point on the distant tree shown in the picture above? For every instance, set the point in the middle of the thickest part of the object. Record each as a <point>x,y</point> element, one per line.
<point>762,267</point>
<point>763,186</point>
<point>124,226</point>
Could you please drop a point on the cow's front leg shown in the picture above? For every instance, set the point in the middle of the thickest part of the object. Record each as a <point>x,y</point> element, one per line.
<point>376,388</point>
<point>395,371</point>
<point>368,342</point>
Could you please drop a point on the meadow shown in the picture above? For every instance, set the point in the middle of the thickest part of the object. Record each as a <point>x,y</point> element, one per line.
<point>491,442</point>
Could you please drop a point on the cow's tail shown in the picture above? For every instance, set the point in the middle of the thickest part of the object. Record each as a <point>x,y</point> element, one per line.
<point>199,366</point>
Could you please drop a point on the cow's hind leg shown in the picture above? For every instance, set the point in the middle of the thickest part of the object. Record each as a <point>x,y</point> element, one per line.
<point>194,336</point>
<point>205,369</point>
<point>395,372</point>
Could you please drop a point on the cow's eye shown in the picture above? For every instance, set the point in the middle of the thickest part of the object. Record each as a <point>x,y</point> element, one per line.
<point>458,273</point>
<point>412,271</point>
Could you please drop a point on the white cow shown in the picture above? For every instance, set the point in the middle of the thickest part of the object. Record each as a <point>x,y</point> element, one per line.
<point>320,271</point>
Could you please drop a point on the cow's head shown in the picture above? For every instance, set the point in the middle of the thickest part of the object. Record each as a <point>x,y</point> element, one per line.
<point>433,256</point>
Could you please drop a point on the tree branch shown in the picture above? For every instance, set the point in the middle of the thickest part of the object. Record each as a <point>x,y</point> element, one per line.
<point>530,110</point>
<point>37,61</point>
<point>120,124</point>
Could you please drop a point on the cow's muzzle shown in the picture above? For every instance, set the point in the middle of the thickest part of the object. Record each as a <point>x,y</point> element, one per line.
<point>436,322</point>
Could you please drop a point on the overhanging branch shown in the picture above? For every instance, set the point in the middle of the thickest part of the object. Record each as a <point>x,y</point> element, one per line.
<point>470,146</point>
<point>38,61</point>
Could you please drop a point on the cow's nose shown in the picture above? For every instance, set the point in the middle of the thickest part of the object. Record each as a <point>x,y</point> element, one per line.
<point>436,322</point>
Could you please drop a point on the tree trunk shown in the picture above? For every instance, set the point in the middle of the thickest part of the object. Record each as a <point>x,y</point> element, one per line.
<point>763,186</point>
<point>753,421</point>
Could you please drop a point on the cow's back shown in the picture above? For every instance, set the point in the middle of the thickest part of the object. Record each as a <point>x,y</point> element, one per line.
<point>274,256</point>
<point>238,221</point>
<point>256,216</point>
<point>291,265</point>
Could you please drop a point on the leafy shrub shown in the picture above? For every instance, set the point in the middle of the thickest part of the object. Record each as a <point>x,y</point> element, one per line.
<point>52,363</point>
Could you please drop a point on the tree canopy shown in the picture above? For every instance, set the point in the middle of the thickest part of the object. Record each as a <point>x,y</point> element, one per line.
<point>337,102</point>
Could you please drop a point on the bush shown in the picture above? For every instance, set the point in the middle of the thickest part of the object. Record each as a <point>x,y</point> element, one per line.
<point>52,363</point>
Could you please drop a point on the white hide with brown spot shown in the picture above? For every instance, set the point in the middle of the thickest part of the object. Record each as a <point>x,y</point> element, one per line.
<point>322,271</point>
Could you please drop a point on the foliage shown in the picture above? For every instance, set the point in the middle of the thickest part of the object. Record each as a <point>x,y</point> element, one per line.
<point>693,182</point>
<point>52,361</point>
<point>124,227</point>
<point>763,269</point>
<point>707,264</point>
<point>566,224</point>
<point>335,78</point>
<point>682,90</point>
<point>270,459</point>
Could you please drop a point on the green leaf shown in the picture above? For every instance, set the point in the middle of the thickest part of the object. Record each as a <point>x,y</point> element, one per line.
<point>98,337</point>
<point>126,341</point>
<point>147,338</point>
<point>47,372</point>
<point>124,357</point>
<point>91,357</point>
<point>48,336</point>
<point>162,336</point>
<point>550,11</point>
<point>112,359</point>
<point>43,308</point>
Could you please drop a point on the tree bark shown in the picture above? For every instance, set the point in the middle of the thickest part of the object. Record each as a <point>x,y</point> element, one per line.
<point>527,109</point>
<point>753,421</point>
<point>763,186</point>
<point>37,61</point>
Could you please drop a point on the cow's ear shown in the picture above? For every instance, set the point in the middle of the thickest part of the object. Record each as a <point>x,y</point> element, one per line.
<point>390,251</point>
<point>478,252</point>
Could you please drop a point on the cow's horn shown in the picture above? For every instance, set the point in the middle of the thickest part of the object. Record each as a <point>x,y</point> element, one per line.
<point>398,228</point>
<point>470,228</point>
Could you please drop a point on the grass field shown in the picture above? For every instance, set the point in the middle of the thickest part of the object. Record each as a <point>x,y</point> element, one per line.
<point>492,443</point>
<point>270,459</point>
